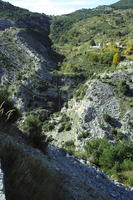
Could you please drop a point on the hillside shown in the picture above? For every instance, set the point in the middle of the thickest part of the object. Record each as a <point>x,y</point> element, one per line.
<point>98,50</point>
<point>67,80</point>
<point>123,4</point>
<point>27,59</point>
<point>89,42</point>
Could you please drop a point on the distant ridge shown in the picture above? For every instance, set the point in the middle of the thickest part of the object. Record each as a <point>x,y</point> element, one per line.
<point>123,4</point>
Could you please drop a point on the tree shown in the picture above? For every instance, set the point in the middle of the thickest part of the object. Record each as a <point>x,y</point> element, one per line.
<point>116,59</point>
<point>92,43</point>
<point>32,126</point>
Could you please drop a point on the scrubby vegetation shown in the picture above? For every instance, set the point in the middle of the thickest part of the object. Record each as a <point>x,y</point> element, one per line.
<point>8,112</point>
<point>80,91</point>
<point>123,4</point>
<point>9,11</point>
<point>122,87</point>
<point>84,134</point>
<point>115,159</point>
<point>106,117</point>
<point>32,128</point>
<point>91,41</point>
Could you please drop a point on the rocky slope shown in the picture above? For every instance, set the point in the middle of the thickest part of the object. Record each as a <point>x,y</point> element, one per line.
<point>26,60</point>
<point>101,105</point>
<point>29,174</point>
<point>105,109</point>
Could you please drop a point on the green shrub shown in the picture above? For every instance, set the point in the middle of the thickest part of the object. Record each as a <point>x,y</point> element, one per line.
<point>66,104</point>
<point>84,134</point>
<point>106,118</point>
<point>69,143</point>
<point>65,123</point>
<point>102,126</point>
<point>122,87</point>
<point>92,43</point>
<point>69,146</point>
<point>112,158</point>
<point>61,128</point>
<point>94,149</point>
<point>127,165</point>
<point>80,91</point>
<point>117,134</point>
<point>120,136</point>
<point>48,126</point>
<point>116,59</point>
<point>68,126</point>
<point>32,127</point>
<point>130,123</point>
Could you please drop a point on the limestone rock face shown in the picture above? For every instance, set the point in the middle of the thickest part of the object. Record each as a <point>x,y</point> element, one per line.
<point>31,175</point>
<point>105,108</point>
<point>103,99</point>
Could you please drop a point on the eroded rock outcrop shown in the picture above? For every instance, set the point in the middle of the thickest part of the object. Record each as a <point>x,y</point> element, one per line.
<point>106,110</point>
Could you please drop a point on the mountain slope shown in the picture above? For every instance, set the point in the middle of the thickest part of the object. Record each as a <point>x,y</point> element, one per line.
<point>89,43</point>
<point>27,59</point>
<point>123,4</point>
<point>54,176</point>
<point>71,78</point>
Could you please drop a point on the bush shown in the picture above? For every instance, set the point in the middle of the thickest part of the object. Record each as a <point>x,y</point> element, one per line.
<point>127,165</point>
<point>69,143</point>
<point>120,136</point>
<point>116,59</point>
<point>69,146</point>
<point>85,134</point>
<point>122,87</point>
<point>61,128</point>
<point>110,157</point>
<point>94,149</point>
<point>68,126</point>
<point>92,43</point>
<point>114,131</point>
<point>47,126</point>
<point>32,126</point>
<point>80,91</point>
<point>107,118</point>
<point>129,50</point>
<point>65,123</point>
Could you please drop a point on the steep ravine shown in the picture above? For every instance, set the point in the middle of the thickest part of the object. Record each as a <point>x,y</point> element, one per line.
<point>39,88</point>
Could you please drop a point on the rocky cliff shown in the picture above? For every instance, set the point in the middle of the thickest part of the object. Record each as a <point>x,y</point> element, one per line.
<point>105,109</point>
